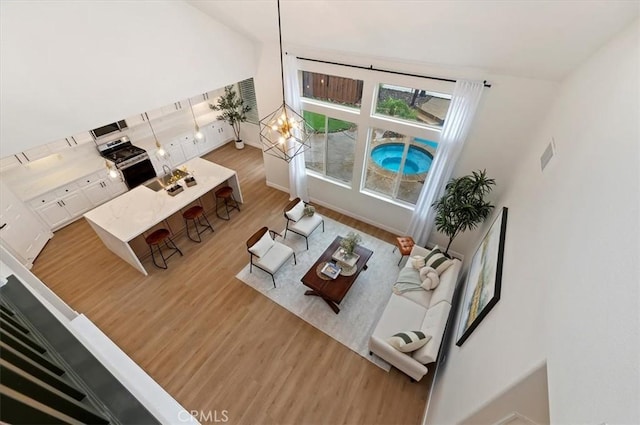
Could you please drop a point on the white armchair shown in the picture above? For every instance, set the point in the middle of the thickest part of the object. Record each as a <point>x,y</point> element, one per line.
<point>266,253</point>
<point>298,222</point>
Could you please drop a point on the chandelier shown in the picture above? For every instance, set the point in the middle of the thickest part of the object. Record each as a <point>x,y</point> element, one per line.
<point>284,133</point>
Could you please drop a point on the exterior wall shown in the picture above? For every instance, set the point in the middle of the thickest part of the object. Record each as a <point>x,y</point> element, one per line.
<point>570,281</point>
<point>68,66</point>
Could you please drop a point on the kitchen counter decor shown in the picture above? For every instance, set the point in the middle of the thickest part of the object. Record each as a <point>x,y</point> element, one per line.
<point>190,181</point>
<point>175,189</point>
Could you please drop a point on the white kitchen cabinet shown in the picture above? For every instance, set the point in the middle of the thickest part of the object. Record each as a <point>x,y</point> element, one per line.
<point>37,152</point>
<point>189,146</point>
<point>59,145</point>
<point>135,120</point>
<point>82,138</point>
<point>62,205</point>
<point>98,188</point>
<point>176,154</point>
<point>216,134</point>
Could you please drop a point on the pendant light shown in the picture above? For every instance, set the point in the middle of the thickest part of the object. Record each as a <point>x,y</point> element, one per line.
<point>284,133</point>
<point>198,134</point>
<point>112,172</point>
<point>161,153</point>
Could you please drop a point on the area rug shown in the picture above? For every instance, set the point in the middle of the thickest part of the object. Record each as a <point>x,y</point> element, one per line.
<point>363,304</point>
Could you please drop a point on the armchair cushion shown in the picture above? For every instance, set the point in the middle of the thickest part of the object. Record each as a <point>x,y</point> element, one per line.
<point>273,259</point>
<point>296,212</point>
<point>307,224</point>
<point>260,248</point>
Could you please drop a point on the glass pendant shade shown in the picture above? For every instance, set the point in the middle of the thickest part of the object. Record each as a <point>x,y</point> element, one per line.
<point>284,133</point>
<point>112,171</point>
<point>160,153</point>
<point>197,133</point>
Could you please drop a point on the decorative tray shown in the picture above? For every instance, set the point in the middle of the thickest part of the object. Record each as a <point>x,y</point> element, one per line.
<point>347,260</point>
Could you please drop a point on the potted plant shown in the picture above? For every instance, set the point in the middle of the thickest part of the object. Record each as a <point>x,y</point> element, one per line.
<point>462,206</point>
<point>234,111</point>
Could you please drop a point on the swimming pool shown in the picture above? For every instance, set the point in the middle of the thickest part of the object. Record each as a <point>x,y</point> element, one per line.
<point>389,157</point>
<point>426,142</point>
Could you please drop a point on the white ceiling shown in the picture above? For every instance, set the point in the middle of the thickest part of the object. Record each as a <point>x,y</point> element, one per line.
<point>527,38</point>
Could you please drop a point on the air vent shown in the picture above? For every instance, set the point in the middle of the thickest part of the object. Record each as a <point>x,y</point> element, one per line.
<point>547,154</point>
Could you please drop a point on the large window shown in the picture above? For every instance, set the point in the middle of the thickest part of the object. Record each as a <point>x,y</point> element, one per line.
<point>390,157</point>
<point>411,104</point>
<point>332,146</point>
<point>248,94</point>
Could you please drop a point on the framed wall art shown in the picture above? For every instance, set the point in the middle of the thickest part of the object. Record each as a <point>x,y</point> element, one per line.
<point>482,287</point>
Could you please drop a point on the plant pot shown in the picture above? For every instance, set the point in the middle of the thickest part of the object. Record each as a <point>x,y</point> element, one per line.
<point>239,144</point>
<point>190,181</point>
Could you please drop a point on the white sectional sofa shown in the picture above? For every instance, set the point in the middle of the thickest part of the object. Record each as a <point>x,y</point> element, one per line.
<point>425,311</point>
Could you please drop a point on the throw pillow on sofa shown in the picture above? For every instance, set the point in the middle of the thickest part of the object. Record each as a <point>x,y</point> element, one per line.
<point>437,260</point>
<point>408,341</point>
<point>417,261</point>
<point>429,278</point>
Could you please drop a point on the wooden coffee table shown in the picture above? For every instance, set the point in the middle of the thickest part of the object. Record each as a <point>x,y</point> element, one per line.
<point>333,291</point>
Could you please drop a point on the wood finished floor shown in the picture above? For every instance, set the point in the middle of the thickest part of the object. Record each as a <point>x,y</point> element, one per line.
<point>213,342</point>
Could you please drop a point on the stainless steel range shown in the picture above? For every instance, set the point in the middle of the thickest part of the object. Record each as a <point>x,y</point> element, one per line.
<point>132,161</point>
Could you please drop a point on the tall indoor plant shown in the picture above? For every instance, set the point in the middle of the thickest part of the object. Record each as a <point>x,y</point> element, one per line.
<point>234,111</point>
<point>462,206</point>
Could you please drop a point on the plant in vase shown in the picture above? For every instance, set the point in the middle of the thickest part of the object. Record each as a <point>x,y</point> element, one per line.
<point>234,112</point>
<point>349,243</point>
<point>462,206</point>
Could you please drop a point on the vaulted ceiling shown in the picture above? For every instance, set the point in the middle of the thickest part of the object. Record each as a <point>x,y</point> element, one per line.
<point>527,38</point>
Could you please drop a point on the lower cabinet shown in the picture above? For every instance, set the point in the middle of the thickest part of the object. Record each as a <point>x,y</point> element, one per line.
<point>64,209</point>
<point>61,206</point>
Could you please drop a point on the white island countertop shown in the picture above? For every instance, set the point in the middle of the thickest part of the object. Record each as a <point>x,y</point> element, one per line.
<point>141,208</point>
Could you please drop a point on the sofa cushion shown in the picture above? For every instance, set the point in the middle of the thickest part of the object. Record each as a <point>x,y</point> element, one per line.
<point>263,246</point>
<point>399,315</point>
<point>433,324</point>
<point>296,212</point>
<point>447,285</point>
<point>409,275</point>
<point>437,260</point>
<point>408,341</point>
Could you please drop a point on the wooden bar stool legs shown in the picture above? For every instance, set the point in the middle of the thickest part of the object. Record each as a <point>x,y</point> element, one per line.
<point>226,195</point>
<point>156,239</point>
<point>196,214</point>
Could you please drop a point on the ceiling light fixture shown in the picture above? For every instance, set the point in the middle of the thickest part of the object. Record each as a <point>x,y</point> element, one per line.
<point>284,133</point>
<point>198,134</point>
<point>163,154</point>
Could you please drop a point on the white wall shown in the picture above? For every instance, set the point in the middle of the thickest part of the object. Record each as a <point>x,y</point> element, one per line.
<point>67,66</point>
<point>509,112</point>
<point>570,281</point>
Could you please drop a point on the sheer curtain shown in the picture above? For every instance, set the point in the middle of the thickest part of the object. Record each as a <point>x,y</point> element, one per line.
<point>297,169</point>
<point>464,102</point>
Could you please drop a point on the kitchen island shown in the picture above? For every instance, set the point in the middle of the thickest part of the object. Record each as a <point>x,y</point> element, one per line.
<point>122,219</point>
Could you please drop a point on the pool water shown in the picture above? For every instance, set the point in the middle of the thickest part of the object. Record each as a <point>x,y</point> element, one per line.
<point>389,157</point>
<point>426,142</point>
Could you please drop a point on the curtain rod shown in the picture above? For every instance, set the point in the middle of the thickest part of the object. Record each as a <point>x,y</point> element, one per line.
<point>371,68</point>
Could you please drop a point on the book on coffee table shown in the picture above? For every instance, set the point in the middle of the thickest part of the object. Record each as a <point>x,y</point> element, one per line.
<point>331,269</point>
<point>348,260</point>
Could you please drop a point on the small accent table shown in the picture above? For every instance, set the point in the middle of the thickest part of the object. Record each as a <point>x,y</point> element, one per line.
<point>404,244</point>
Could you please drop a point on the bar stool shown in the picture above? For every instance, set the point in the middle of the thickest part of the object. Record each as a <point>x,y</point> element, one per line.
<point>196,213</point>
<point>155,239</point>
<point>404,244</point>
<point>226,194</point>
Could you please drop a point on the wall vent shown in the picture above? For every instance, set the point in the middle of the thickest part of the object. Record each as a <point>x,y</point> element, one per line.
<point>547,155</point>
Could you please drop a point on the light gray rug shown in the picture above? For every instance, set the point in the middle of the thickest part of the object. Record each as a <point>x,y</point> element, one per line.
<point>363,304</point>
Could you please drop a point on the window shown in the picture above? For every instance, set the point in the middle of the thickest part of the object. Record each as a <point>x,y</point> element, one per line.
<point>329,88</point>
<point>392,158</point>
<point>332,146</point>
<point>248,94</point>
<point>397,165</point>
<point>414,105</point>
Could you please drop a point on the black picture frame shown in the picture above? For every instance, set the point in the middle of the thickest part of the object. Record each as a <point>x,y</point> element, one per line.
<point>484,278</point>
